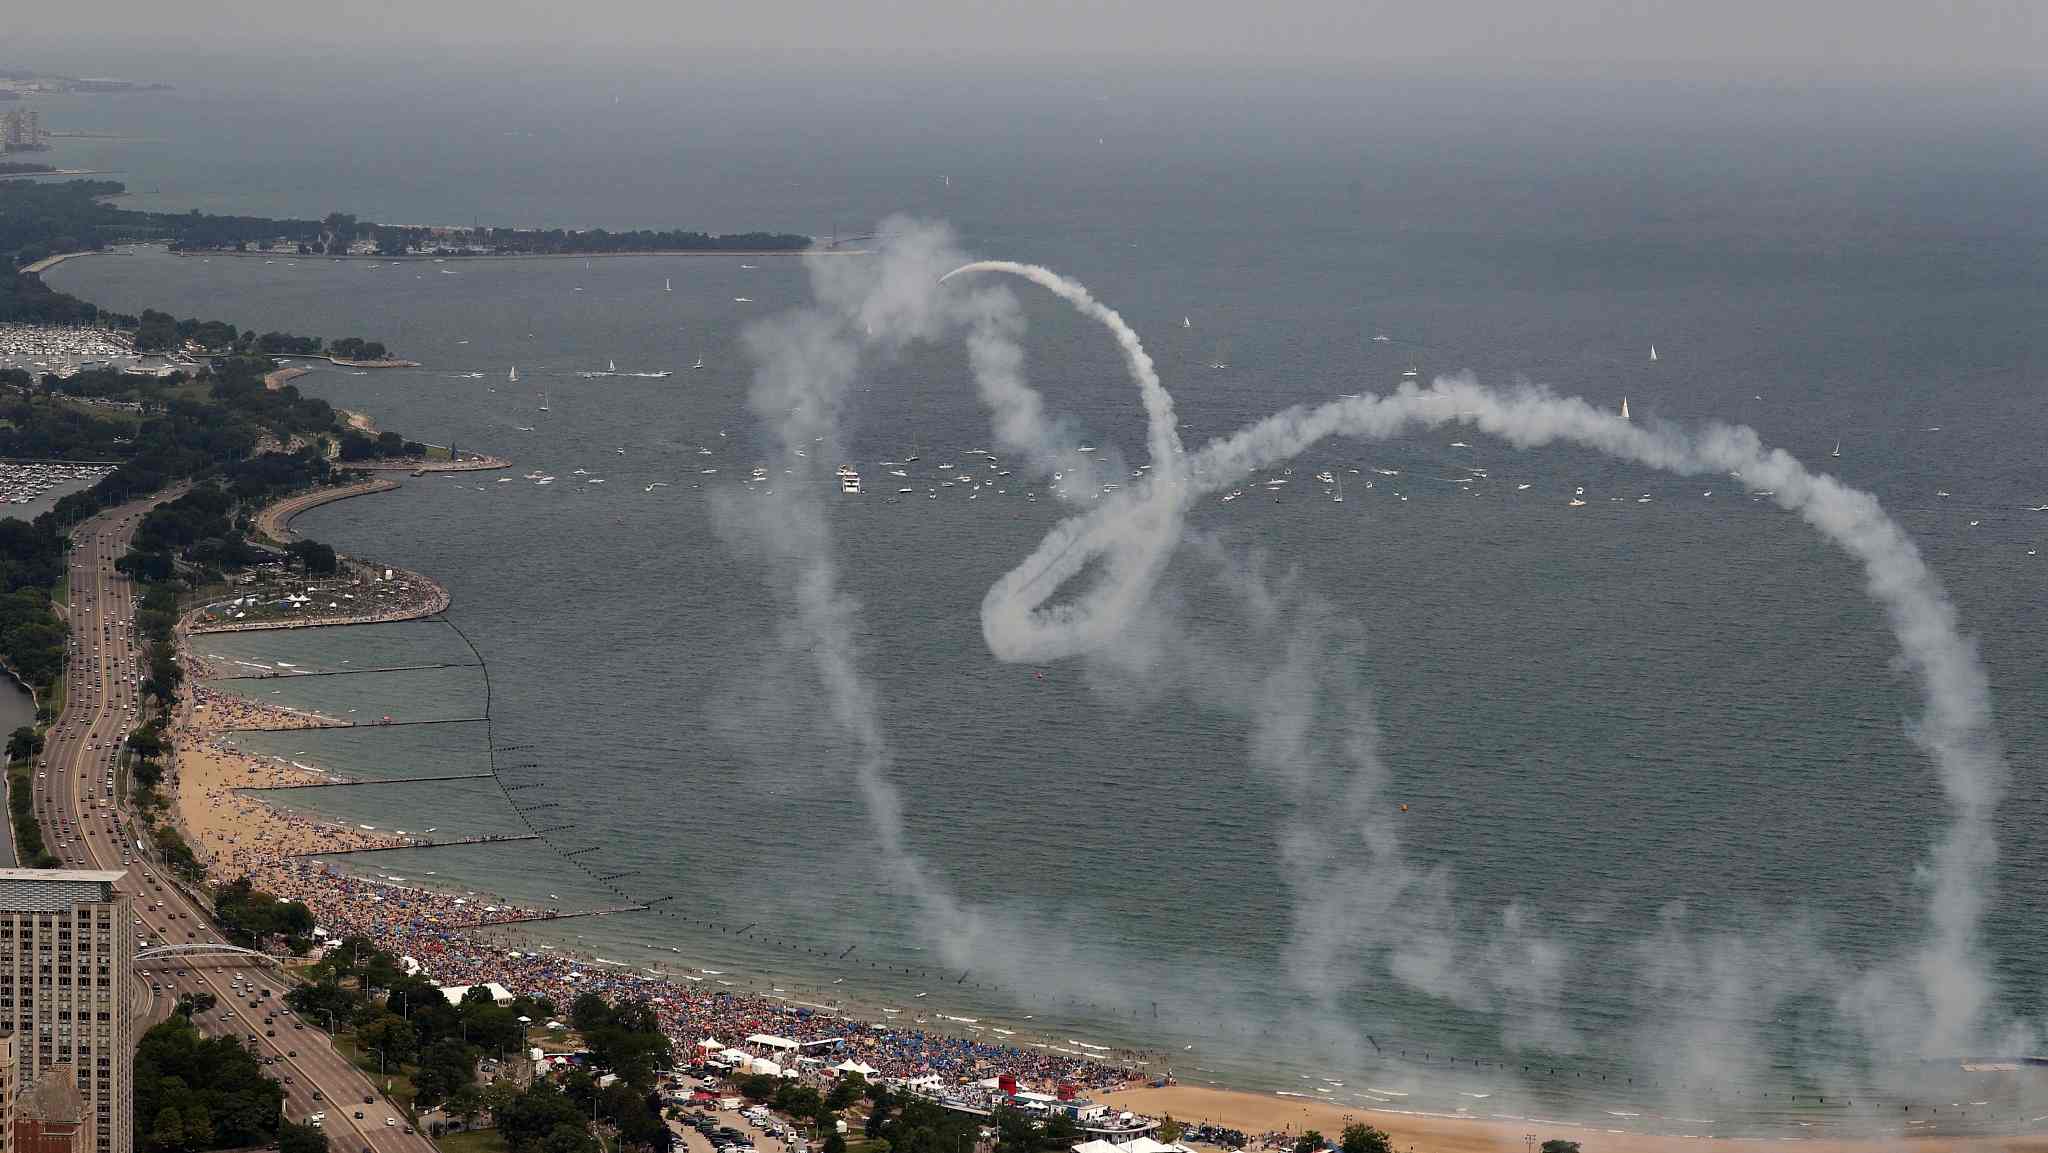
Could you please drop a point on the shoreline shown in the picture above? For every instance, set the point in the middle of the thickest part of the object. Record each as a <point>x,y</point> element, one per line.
<point>274,520</point>
<point>49,262</point>
<point>430,258</point>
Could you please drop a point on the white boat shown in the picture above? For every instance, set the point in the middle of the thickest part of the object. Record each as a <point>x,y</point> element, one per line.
<point>666,286</point>
<point>513,376</point>
<point>1382,339</point>
<point>1838,449</point>
<point>743,300</point>
<point>1339,498</point>
<point>699,364</point>
<point>1624,408</point>
<point>849,480</point>
<point>543,400</point>
<point>611,366</point>
<point>1186,323</point>
<point>1653,354</point>
<point>1575,502</point>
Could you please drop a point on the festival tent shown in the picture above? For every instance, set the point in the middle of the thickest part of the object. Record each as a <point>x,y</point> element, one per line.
<point>1096,1146</point>
<point>709,1045</point>
<point>764,1065</point>
<point>864,1070</point>
<point>770,1041</point>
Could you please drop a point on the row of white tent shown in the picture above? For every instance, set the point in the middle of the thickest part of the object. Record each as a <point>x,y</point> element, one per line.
<point>744,1062</point>
<point>1134,1145</point>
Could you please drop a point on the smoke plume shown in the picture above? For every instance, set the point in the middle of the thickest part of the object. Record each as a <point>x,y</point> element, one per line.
<point>1313,731</point>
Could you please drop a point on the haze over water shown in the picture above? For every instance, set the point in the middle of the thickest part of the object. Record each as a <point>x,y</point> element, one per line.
<point>1608,715</point>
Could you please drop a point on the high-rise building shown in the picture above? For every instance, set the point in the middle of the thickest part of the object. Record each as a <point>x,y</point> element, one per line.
<point>65,951</point>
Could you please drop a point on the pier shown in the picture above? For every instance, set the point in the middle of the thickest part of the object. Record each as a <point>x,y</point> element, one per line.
<point>380,781</point>
<point>485,839</point>
<point>356,725</point>
<point>271,676</point>
<point>605,912</point>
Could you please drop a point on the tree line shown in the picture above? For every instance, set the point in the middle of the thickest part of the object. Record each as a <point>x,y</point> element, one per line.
<point>42,218</point>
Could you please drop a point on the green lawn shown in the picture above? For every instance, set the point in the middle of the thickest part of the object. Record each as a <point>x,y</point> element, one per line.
<point>473,1141</point>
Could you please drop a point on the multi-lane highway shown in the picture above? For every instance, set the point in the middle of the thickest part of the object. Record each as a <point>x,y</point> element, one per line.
<point>83,825</point>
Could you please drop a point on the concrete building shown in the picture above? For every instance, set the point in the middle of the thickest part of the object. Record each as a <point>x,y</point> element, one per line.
<point>65,950</point>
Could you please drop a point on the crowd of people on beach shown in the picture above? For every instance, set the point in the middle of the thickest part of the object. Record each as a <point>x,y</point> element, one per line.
<point>236,836</point>
<point>437,929</point>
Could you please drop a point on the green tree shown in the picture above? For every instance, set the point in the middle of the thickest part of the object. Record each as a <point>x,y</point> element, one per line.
<point>1170,1131</point>
<point>201,1002</point>
<point>1359,1137</point>
<point>1309,1142</point>
<point>850,1087</point>
<point>23,743</point>
<point>1560,1145</point>
<point>293,1137</point>
<point>465,1105</point>
<point>168,1131</point>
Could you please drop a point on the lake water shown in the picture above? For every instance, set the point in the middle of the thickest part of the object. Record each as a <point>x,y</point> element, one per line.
<point>1646,733</point>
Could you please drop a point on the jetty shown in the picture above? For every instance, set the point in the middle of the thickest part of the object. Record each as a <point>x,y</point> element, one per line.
<point>486,839</point>
<point>352,782</point>
<point>533,917</point>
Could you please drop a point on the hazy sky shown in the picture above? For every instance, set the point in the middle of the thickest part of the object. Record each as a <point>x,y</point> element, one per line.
<point>1864,39</point>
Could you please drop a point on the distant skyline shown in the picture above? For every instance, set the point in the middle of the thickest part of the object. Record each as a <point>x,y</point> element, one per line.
<point>1871,40</point>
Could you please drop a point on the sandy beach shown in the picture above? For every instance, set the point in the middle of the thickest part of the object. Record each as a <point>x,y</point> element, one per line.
<point>232,833</point>
<point>1266,1112</point>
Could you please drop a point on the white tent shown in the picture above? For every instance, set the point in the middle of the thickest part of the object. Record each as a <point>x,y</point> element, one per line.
<point>770,1041</point>
<point>867,1071</point>
<point>764,1065</point>
<point>1096,1146</point>
<point>709,1045</point>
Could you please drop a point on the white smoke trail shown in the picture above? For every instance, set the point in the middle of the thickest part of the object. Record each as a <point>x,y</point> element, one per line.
<point>1935,1000</point>
<point>1948,978</point>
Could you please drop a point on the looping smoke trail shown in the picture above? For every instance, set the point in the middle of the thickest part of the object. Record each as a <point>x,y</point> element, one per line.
<point>807,362</point>
<point>1955,728</point>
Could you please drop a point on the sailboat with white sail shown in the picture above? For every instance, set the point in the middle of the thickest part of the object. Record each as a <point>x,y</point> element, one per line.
<point>543,400</point>
<point>513,376</point>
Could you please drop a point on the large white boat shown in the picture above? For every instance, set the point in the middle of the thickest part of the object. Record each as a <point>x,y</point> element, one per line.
<point>849,480</point>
